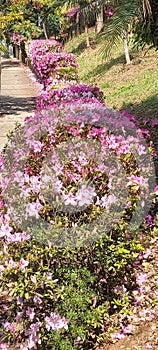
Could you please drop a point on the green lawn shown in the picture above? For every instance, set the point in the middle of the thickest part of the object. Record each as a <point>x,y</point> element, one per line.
<point>134,87</point>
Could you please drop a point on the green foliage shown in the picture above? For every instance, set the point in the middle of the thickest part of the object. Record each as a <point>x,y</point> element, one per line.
<point>80,284</point>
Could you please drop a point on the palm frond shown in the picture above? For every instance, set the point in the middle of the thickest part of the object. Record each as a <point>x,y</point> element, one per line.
<point>115,27</point>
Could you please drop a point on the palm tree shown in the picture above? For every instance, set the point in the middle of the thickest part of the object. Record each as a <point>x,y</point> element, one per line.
<point>117,26</point>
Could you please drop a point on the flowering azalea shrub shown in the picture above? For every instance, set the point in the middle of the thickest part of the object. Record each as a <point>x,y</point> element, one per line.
<point>70,177</point>
<point>38,48</point>
<point>68,93</point>
<point>54,65</point>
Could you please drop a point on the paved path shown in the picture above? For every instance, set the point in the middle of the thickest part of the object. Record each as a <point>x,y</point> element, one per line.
<point>17,96</point>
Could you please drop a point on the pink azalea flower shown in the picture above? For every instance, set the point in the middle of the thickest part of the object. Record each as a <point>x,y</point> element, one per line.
<point>147,253</point>
<point>31,313</point>
<point>4,346</point>
<point>148,346</point>
<point>5,307</point>
<point>33,279</point>
<point>85,195</point>
<point>32,209</point>
<point>23,264</point>
<point>36,145</point>
<point>55,322</point>
<point>23,347</point>
<point>37,300</point>
<point>138,181</point>
<point>156,190</point>
<point>17,237</point>
<point>10,327</point>
<point>149,220</point>
<point>141,278</point>
<point>106,200</point>
<point>32,342</point>
<point>69,199</point>
<point>127,329</point>
<point>19,177</point>
<point>154,122</point>
<point>118,336</point>
<point>12,264</point>
<point>5,230</point>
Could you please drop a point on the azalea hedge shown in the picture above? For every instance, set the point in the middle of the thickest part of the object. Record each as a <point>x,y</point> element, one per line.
<point>77,181</point>
<point>50,63</point>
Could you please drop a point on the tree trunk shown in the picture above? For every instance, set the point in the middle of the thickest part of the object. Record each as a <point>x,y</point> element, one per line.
<point>87,36</point>
<point>77,23</point>
<point>150,9</point>
<point>99,21</point>
<point>45,29</point>
<point>154,22</point>
<point>126,48</point>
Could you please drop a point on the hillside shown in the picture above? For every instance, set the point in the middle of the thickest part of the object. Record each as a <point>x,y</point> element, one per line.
<point>133,87</point>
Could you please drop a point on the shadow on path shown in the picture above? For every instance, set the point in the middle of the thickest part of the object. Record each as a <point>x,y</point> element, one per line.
<point>15,105</point>
<point>9,63</point>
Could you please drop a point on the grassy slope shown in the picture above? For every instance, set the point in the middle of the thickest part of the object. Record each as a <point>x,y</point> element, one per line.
<point>134,87</point>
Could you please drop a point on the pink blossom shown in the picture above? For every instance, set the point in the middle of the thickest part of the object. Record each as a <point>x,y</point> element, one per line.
<point>37,300</point>
<point>32,342</point>
<point>55,322</point>
<point>149,220</point>
<point>23,347</point>
<point>138,181</point>
<point>85,195</point>
<point>36,145</point>
<point>31,313</point>
<point>123,149</point>
<point>10,327</point>
<point>33,279</point>
<point>17,237</point>
<point>141,149</point>
<point>11,264</point>
<point>19,177</point>
<point>72,11</point>
<point>156,190</point>
<point>23,263</point>
<point>19,316</point>
<point>126,329</point>
<point>69,199</point>
<point>1,161</point>
<point>5,307</point>
<point>141,278</point>
<point>5,230</point>
<point>33,208</point>
<point>4,346</point>
<point>106,200</point>
<point>118,336</point>
<point>147,253</point>
<point>148,346</point>
<point>154,122</point>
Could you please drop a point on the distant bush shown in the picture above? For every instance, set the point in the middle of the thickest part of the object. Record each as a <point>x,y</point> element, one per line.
<point>50,63</point>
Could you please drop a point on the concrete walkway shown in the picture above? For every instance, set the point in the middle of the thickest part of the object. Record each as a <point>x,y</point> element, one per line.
<point>18,95</point>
